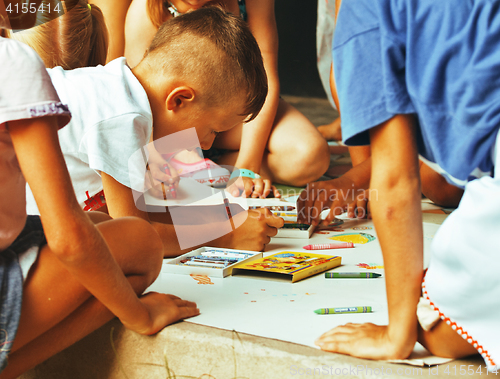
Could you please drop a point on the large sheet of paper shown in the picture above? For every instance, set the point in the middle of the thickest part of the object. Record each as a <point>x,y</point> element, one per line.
<point>281,310</point>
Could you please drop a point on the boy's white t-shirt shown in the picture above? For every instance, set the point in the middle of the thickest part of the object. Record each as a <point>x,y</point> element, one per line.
<point>111,121</point>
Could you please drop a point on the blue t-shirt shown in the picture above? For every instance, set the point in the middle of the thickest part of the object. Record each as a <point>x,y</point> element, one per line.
<point>439,60</point>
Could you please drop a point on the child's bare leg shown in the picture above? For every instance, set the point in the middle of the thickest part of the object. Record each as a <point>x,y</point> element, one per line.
<point>443,341</point>
<point>97,217</point>
<point>83,321</point>
<point>331,131</point>
<point>296,152</point>
<point>58,311</point>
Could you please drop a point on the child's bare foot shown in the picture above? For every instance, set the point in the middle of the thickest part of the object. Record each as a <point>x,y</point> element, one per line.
<point>332,131</point>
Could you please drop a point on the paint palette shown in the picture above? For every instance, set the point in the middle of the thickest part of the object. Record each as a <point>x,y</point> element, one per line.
<point>209,261</point>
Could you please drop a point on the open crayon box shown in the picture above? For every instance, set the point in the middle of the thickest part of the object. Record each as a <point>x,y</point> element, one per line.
<point>293,230</point>
<point>210,261</point>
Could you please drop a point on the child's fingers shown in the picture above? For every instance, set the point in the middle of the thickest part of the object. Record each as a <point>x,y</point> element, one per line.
<point>267,188</point>
<point>329,217</point>
<point>304,204</point>
<point>186,312</point>
<point>248,187</point>
<point>235,187</point>
<point>271,219</point>
<point>186,308</point>
<point>362,207</point>
<point>276,192</point>
<point>173,297</point>
<point>351,208</point>
<point>258,188</point>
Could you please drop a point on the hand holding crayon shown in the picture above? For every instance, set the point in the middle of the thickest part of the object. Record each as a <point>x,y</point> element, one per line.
<point>171,189</point>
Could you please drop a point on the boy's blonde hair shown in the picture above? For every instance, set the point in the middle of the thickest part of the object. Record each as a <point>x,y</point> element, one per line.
<point>78,38</point>
<point>217,50</point>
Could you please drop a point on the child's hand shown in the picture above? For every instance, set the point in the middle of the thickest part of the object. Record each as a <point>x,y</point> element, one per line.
<point>255,188</point>
<point>164,310</point>
<point>360,208</point>
<point>165,179</point>
<point>254,232</point>
<point>367,341</point>
<point>334,194</point>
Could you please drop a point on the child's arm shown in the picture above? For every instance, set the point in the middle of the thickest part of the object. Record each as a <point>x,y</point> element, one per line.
<point>397,217</point>
<point>114,12</point>
<point>436,188</point>
<point>335,194</point>
<point>253,233</point>
<point>255,135</point>
<point>139,32</point>
<point>73,237</point>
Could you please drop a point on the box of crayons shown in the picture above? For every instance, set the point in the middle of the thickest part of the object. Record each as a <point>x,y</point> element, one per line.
<point>291,229</point>
<point>209,261</point>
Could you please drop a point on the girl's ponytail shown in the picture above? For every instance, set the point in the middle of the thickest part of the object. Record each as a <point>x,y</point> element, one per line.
<point>98,38</point>
<point>78,38</point>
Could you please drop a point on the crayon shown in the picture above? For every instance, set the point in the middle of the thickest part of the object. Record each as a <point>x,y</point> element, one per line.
<point>171,187</point>
<point>332,311</point>
<point>223,254</point>
<point>294,225</point>
<point>228,211</point>
<point>217,258</point>
<point>340,245</point>
<point>202,264</point>
<point>332,275</point>
<point>284,214</point>
<point>285,208</point>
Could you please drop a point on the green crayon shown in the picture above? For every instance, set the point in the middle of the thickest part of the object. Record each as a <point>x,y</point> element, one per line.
<point>332,311</point>
<point>332,275</point>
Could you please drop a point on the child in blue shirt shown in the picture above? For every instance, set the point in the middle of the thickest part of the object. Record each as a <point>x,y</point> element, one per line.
<point>423,78</point>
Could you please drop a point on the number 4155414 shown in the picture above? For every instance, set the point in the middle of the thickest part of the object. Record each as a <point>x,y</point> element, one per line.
<point>32,8</point>
<point>468,370</point>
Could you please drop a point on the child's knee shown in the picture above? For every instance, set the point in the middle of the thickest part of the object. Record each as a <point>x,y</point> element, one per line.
<point>313,160</point>
<point>141,248</point>
<point>443,341</point>
<point>152,248</point>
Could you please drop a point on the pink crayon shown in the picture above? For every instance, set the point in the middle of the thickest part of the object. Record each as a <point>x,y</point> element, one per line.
<point>340,245</point>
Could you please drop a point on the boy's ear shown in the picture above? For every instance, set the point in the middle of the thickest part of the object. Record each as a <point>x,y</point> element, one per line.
<point>180,97</point>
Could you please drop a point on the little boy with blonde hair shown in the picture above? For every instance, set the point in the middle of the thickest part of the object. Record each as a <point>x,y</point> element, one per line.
<point>203,70</point>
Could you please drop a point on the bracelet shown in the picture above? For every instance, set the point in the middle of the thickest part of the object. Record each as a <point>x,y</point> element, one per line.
<point>244,172</point>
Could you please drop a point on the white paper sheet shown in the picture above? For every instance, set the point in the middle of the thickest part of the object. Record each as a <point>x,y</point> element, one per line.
<point>285,311</point>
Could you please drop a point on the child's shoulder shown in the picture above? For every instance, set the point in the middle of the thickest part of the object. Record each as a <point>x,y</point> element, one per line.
<point>102,94</point>
<point>19,56</point>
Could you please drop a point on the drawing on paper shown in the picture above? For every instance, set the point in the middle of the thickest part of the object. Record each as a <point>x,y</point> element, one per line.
<point>369,266</point>
<point>358,238</point>
<point>201,279</point>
